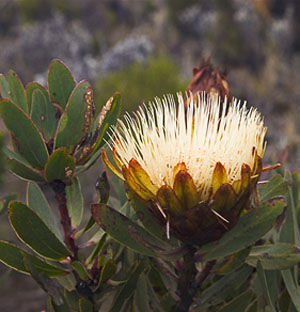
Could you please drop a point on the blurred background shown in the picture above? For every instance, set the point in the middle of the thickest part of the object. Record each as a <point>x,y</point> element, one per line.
<point>147,48</point>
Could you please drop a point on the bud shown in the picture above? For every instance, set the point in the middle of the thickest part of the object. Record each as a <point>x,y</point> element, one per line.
<point>207,79</point>
<point>195,167</point>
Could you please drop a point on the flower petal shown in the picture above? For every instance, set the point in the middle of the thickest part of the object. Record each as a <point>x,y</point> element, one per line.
<point>224,199</point>
<point>142,177</point>
<point>110,165</point>
<point>168,199</point>
<point>245,176</point>
<point>185,189</point>
<point>178,167</point>
<point>219,177</point>
<point>134,186</point>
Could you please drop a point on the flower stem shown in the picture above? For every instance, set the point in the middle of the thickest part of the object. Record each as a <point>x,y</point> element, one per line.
<point>59,188</point>
<point>186,284</point>
<point>189,282</point>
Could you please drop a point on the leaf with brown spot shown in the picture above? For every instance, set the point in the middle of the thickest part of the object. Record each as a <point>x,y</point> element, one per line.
<point>125,230</point>
<point>71,126</point>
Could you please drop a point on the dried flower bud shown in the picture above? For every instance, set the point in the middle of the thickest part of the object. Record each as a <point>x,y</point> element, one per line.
<point>207,79</point>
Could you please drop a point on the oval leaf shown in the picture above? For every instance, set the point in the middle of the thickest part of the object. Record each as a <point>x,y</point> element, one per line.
<point>37,201</point>
<point>75,202</point>
<point>35,233</point>
<point>128,288</point>
<point>125,231</point>
<point>43,114</point>
<point>29,141</point>
<point>71,127</point>
<point>11,256</point>
<point>280,256</point>
<point>16,91</point>
<point>30,88</point>
<point>20,167</point>
<point>3,87</point>
<point>60,166</point>
<point>275,187</point>
<point>60,82</point>
<point>250,228</point>
<point>23,171</point>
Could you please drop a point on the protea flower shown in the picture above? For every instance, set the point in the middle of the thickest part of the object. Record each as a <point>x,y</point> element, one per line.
<point>194,167</point>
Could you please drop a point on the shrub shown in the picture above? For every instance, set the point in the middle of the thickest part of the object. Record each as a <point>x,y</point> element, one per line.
<point>140,82</point>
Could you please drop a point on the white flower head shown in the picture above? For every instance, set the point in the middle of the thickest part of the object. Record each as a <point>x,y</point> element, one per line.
<point>201,133</point>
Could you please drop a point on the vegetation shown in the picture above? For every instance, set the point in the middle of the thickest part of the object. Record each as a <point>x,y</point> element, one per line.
<point>140,82</point>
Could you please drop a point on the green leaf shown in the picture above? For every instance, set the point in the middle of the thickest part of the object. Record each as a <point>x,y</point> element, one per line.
<point>30,88</point>
<point>85,305</point>
<point>72,299</point>
<point>290,229</point>
<point>295,187</point>
<point>279,256</point>
<point>250,228</point>
<point>97,249</point>
<point>107,271</point>
<point>60,82</point>
<point>4,88</point>
<point>67,281</point>
<point>71,126</point>
<point>239,303</point>
<point>37,201</point>
<point>11,255</point>
<point>20,167</point>
<point>141,298</point>
<point>148,220</point>
<point>53,307</point>
<point>22,171</point>
<point>264,284</point>
<point>225,286</point>
<point>128,288</point>
<point>4,201</point>
<point>234,262</point>
<point>292,288</point>
<point>75,202</point>
<point>50,286</point>
<point>43,114</point>
<point>275,187</point>
<point>35,233</point>
<point>17,91</point>
<point>27,137</point>
<point>81,270</point>
<point>60,166</point>
<point>125,231</point>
